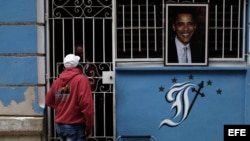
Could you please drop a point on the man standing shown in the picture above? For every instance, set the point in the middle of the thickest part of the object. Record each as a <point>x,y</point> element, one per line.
<point>70,95</point>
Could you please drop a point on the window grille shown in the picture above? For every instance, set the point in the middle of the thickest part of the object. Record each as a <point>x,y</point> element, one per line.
<point>140,29</point>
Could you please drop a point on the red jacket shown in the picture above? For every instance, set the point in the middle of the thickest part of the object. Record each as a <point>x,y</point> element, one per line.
<point>71,97</point>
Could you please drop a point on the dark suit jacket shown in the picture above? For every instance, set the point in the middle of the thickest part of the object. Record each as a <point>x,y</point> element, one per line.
<point>197,52</point>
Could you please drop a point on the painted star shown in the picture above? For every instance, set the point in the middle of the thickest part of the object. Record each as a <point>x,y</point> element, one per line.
<point>174,80</point>
<point>161,89</point>
<point>219,91</point>
<point>191,77</point>
<point>209,83</point>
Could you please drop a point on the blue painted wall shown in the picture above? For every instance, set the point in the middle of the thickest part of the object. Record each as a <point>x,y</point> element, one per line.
<point>18,48</point>
<point>17,10</point>
<point>18,39</point>
<point>144,106</point>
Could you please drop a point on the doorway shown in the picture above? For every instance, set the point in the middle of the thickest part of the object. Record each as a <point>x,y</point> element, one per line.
<point>88,23</point>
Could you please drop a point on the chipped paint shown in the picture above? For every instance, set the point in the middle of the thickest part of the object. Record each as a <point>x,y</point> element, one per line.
<point>29,106</point>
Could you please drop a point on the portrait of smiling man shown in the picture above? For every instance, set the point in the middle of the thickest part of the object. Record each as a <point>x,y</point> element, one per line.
<point>185,43</point>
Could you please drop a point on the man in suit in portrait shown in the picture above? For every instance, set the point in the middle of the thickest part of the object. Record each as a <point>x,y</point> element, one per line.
<point>184,47</point>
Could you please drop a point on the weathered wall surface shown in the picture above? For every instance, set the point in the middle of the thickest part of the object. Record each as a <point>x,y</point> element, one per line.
<point>22,77</point>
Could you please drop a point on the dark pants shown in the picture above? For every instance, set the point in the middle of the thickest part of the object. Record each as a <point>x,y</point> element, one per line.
<point>68,132</point>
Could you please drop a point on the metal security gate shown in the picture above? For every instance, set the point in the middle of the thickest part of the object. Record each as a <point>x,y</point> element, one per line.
<point>89,23</point>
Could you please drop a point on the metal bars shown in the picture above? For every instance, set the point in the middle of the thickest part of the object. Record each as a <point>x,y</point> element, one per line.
<point>89,23</point>
<point>138,26</point>
<point>142,30</point>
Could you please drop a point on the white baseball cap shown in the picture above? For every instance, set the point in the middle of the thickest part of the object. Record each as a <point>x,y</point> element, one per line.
<point>71,61</point>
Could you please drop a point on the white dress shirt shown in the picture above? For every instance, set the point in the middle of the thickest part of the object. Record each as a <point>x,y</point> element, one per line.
<point>180,51</point>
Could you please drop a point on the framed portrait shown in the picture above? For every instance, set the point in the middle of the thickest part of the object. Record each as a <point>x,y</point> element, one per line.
<point>186,34</point>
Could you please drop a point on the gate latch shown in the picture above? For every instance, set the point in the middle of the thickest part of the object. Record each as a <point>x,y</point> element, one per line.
<point>107,77</point>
